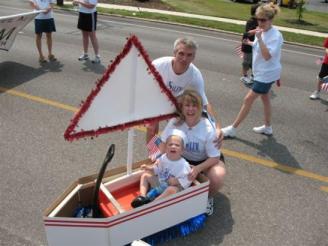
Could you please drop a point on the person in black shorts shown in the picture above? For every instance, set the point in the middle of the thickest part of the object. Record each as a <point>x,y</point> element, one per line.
<point>323,72</point>
<point>87,23</point>
<point>251,25</point>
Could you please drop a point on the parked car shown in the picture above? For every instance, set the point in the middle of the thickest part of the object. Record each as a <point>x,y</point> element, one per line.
<point>287,3</point>
<point>249,1</point>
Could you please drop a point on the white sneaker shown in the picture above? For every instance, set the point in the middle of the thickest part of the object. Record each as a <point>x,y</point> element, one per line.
<point>266,130</point>
<point>245,80</point>
<point>83,57</point>
<point>229,131</point>
<point>96,60</point>
<point>315,95</point>
<point>210,206</point>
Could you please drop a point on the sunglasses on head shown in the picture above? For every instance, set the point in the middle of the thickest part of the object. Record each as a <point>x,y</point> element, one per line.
<point>262,19</point>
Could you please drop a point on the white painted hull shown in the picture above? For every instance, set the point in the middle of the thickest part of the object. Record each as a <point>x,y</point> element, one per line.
<point>126,226</point>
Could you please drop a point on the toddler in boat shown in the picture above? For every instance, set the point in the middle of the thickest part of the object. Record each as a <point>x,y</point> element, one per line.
<point>168,175</point>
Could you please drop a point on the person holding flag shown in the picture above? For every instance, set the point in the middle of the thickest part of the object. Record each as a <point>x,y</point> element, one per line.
<point>201,150</point>
<point>322,74</point>
<point>168,175</point>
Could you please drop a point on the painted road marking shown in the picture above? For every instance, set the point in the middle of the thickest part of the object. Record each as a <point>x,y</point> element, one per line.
<point>324,188</point>
<point>38,99</point>
<point>275,165</point>
<point>231,153</point>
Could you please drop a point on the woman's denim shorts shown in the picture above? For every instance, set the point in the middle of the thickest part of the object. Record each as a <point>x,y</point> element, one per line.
<point>260,87</point>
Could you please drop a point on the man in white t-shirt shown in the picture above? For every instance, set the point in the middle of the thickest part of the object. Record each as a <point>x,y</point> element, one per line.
<point>179,73</point>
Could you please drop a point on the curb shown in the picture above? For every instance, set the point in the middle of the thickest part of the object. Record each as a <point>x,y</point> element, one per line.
<point>189,25</point>
<point>204,17</point>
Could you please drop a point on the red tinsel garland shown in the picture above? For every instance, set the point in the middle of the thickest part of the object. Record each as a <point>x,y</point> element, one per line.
<point>70,134</point>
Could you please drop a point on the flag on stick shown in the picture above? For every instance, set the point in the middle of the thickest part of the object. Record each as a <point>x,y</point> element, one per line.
<point>238,51</point>
<point>319,61</point>
<point>324,86</point>
<point>153,148</point>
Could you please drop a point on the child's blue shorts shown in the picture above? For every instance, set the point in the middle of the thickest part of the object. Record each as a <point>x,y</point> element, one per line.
<point>44,25</point>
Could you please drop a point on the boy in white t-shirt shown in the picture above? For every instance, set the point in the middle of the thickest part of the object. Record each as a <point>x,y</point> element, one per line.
<point>44,23</point>
<point>87,23</point>
<point>168,175</point>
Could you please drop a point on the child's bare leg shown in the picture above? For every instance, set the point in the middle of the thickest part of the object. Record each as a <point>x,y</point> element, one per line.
<point>38,41</point>
<point>244,71</point>
<point>168,191</point>
<point>144,183</point>
<point>319,83</point>
<point>49,43</point>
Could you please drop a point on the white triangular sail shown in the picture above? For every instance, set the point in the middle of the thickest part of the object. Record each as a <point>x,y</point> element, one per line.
<point>131,92</point>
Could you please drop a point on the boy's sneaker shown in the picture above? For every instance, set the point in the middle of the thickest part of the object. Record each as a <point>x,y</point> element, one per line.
<point>266,130</point>
<point>315,95</point>
<point>210,206</point>
<point>245,80</point>
<point>139,201</point>
<point>96,60</point>
<point>229,131</point>
<point>83,57</point>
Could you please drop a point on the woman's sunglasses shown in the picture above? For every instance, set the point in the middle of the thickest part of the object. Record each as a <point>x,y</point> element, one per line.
<point>262,19</point>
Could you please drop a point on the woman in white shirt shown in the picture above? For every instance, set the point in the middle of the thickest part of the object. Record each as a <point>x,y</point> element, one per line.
<point>87,23</point>
<point>201,150</point>
<point>266,68</point>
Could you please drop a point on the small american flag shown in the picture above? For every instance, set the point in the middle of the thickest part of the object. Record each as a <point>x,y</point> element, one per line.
<point>324,87</point>
<point>153,147</point>
<point>238,51</point>
<point>319,61</point>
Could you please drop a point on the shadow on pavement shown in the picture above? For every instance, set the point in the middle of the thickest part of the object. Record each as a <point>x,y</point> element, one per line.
<point>54,66</point>
<point>221,222</point>
<point>218,225</point>
<point>96,68</point>
<point>14,74</point>
<point>324,102</point>
<point>277,152</point>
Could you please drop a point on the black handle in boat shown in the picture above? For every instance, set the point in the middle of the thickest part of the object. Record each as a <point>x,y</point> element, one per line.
<point>108,158</point>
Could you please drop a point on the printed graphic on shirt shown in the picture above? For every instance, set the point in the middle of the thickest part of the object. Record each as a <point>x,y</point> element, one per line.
<point>192,147</point>
<point>164,175</point>
<point>174,88</point>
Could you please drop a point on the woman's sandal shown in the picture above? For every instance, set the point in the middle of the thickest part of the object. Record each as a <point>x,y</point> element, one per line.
<point>42,60</point>
<point>52,58</point>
